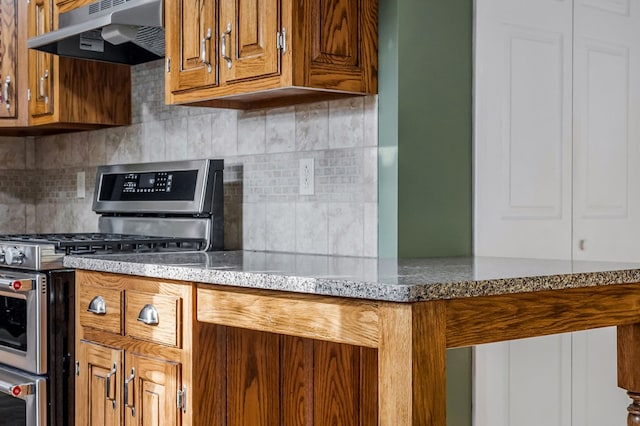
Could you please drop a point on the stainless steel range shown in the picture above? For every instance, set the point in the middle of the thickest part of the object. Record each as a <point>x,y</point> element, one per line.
<point>171,206</point>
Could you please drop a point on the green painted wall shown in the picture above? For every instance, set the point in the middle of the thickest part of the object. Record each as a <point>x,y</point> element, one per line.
<point>425,146</point>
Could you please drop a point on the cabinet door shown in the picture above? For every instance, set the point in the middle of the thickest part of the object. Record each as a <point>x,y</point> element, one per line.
<point>98,385</point>
<point>40,64</point>
<point>151,395</point>
<point>192,37</point>
<point>249,30</point>
<point>8,57</point>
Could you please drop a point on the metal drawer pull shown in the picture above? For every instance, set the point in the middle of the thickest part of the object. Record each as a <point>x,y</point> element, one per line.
<point>203,50</point>
<point>107,384</point>
<point>7,102</point>
<point>126,393</point>
<point>42,79</point>
<point>223,47</point>
<point>149,315</point>
<point>97,306</point>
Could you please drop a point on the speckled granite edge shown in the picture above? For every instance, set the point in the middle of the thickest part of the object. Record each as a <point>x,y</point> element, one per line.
<point>394,292</point>
<point>500,286</point>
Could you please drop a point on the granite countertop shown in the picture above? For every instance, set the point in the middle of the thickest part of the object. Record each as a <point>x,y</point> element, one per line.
<point>397,280</point>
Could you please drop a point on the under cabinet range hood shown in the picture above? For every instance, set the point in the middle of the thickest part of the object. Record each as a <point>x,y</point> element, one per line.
<point>121,31</point>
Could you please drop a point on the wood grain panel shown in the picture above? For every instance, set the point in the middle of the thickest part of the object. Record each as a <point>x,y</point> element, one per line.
<point>252,44</point>
<point>297,394</point>
<point>368,387</point>
<point>111,321</point>
<point>429,364</point>
<point>14,64</point>
<point>187,24</point>
<point>168,331</point>
<point>343,49</point>
<point>629,357</point>
<point>153,392</point>
<point>101,97</point>
<point>335,32</point>
<point>323,318</point>
<point>252,378</point>
<point>210,383</point>
<point>8,55</point>
<point>92,406</point>
<point>336,383</point>
<point>41,65</point>
<point>540,313</point>
<point>412,364</point>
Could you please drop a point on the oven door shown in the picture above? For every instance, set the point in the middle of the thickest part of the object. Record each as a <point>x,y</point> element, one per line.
<point>23,316</point>
<point>23,399</point>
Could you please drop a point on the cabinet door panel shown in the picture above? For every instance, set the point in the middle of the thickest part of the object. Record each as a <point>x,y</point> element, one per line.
<point>97,377</point>
<point>41,64</point>
<point>251,43</point>
<point>191,43</point>
<point>8,57</point>
<point>335,33</point>
<point>154,391</point>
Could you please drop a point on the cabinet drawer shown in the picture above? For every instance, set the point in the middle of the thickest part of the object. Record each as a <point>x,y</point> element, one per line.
<point>162,313</point>
<point>107,304</point>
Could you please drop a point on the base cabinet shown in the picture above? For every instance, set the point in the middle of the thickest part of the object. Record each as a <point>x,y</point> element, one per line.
<point>98,394</point>
<point>133,362</point>
<point>150,391</point>
<point>186,372</point>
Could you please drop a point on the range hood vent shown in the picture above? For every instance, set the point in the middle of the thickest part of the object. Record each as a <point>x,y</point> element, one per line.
<point>121,31</point>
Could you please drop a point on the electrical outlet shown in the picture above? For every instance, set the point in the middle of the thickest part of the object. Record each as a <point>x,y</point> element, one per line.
<point>307,178</point>
<point>80,193</point>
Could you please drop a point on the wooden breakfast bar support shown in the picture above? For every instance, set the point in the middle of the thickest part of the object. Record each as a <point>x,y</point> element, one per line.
<point>412,338</point>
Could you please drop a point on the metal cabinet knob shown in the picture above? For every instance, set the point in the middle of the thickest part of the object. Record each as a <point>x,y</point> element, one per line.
<point>149,315</point>
<point>97,306</point>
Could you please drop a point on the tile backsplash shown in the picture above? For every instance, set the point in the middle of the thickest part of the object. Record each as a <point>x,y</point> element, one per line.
<point>261,149</point>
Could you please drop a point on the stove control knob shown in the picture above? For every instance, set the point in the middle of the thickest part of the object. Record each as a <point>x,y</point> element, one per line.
<point>13,256</point>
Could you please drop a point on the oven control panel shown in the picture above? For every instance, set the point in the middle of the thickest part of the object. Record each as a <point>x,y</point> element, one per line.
<point>176,185</point>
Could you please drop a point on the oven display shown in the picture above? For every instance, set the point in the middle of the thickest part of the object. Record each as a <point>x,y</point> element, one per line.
<point>150,186</point>
<point>13,323</point>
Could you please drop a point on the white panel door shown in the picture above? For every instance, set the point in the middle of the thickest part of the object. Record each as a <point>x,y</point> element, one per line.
<point>606,222</point>
<point>606,151</point>
<point>523,383</point>
<point>523,192</point>
<point>523,128</point>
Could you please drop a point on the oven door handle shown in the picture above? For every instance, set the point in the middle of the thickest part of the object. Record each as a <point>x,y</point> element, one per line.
<point>20,390</point>
<point>16,286</point>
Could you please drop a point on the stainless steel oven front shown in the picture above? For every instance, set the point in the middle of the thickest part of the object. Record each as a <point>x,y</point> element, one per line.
<point>23,398</point>
<point>23,317</point>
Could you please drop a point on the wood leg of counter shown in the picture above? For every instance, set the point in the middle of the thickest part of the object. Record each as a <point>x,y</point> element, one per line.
<point>629,368</point>
<point>411,364</point>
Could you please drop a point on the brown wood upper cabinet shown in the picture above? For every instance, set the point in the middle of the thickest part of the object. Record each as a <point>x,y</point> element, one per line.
<point>259,53</point>
<point>13,67</point>
<point>41,93</point>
